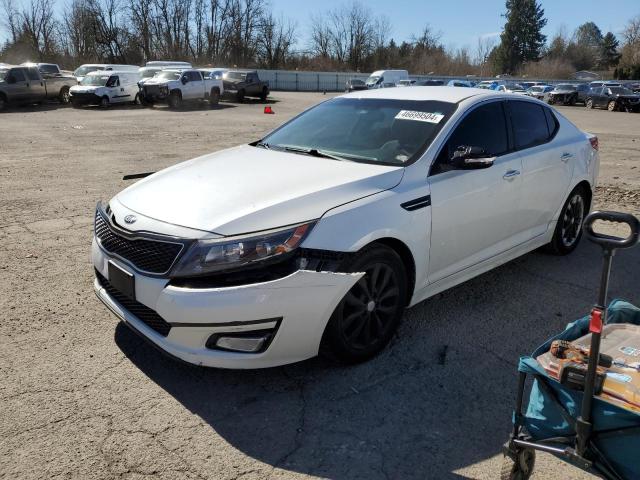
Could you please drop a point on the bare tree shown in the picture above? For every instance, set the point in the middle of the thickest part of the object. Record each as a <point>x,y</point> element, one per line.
<point>38,25</point>
<point>485,45</point>
<point>274,41</point>
<point>10,19</point>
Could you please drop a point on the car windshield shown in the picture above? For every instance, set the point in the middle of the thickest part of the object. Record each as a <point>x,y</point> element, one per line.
<point>565,87</point>
<point>367,130</point>
<point>82,71</point>
<point>95,80</point>
<point>168,75</point>
<point>620,91</point>
<point>373,79</point>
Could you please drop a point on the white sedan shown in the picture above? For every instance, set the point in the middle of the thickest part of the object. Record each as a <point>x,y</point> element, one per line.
<point>318,236</point>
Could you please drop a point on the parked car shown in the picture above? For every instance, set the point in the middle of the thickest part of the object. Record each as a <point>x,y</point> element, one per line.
<point>459,83</point>
<point>386,78</point>
<point>569,94</point>
<point>215,73</point>
<point>176,86</point>
<point>633,86</point>
<point>105,88</point>
<point>614,98</point>
<point>510,88</point>
<point>409,82</point>
<point>234,271</point>
<point>82,70</point>
<point>604,83</point>
<point>539,91</point>
<point>528,85</point>
<point>354,84</point>
<point>428,83</point>
<point>490,84</point>
<point>23,85</point>
<point>239,84</point>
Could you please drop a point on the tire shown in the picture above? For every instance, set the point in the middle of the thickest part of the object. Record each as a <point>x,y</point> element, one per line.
<point>137,100</point>
<point>551,101</point>
<point>572,101</point>
<point>521,468</point>
<point>64,96</point>
<point>589,104</point>
<point>611,106</point>
<point>3,103</point>
<point>104,102</point>
<point>175,100</point>
<point>568,230</point>
<point>240,96</point>
<point>367,317</point>
<point>264,94</point>
<point>214,97</point>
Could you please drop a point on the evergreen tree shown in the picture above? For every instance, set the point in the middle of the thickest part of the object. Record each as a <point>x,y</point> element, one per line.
<point>609,55</point>
<point>522,39</point>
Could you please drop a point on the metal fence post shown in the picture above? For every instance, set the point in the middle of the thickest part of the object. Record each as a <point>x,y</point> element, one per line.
<point>318,82</point>
<point>336,82</point>
<point>276,82</point>
<point>296,82</point>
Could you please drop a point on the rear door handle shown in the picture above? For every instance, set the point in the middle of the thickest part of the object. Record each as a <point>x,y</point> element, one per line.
<point>565,157</point>
<point>511,174</point>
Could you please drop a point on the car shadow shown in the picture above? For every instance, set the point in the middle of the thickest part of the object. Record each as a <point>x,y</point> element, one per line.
<point>191,107</point>
<point>434,404</point>
<point>250,101</point>
<point>44,107</point>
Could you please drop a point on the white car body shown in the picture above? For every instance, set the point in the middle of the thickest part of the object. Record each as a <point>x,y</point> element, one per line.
<point>120,87</point>
<point>386,78</point>
<point>450,226</point>
<point>196,88</point>
<point>155,66</point>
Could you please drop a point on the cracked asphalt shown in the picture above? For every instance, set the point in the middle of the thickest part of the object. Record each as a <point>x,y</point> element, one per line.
<point>83,397</point>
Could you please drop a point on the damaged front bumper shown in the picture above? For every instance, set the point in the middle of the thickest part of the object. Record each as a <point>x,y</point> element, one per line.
<point>285,317</point>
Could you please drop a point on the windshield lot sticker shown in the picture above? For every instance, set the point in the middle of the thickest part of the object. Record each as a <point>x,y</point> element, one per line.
<point>419,116</point>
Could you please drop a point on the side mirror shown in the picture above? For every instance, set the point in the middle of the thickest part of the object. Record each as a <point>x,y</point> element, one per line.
<point>469,157</point>
<point>184,80</point>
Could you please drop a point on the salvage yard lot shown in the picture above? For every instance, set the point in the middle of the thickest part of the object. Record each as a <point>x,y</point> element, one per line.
<point>83,397</point>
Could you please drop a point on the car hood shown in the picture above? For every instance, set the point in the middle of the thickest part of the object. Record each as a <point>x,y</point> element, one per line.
<point>248,189</point>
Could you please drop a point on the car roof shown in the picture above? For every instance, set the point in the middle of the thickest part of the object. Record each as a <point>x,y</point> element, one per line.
<point>437,93</point>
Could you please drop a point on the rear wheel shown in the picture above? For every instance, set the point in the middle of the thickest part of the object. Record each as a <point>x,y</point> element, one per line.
<point>519,469</point>
<point>589,104</point>
<point>264,94</point>
<point>611,106</point>
<point>568,230</point>
<point>364,321</point>
<point>3,103</point>
<point>104,102</point>
<point>64,96</point>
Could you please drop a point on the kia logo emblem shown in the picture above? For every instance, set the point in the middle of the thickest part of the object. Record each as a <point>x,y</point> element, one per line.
<point>129,219</point>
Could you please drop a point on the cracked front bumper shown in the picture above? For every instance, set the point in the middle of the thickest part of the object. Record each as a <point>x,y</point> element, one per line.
<point>297,306</point>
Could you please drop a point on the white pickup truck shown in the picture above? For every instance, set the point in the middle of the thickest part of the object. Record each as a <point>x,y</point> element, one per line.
<point>179,85</point>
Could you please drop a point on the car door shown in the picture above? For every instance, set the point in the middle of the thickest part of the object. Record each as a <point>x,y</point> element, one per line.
<point>547,165</point>
<point>19,83</point>
<point>474,212</point>
<point>599,97</point>
<point>36,86</point>
<point>113,84</point>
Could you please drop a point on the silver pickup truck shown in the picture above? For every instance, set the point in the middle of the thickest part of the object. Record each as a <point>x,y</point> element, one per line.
<point>26,84</point>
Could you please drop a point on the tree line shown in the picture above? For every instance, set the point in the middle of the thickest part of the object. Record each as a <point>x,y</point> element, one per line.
<point>247,33</point>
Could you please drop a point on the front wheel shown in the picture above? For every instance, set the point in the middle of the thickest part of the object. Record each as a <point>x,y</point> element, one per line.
<point>240,96</point>
<point>264,94</point>
<point>611,106</point>
<point>568,230</point>
<point>366,318</point>
<point>3,103</point>
<point>64,96</point>
<point>175,100</point>
<point>104,102</point>
<point>519,469</point>
<point>214,98</point>
<point>589,104</point>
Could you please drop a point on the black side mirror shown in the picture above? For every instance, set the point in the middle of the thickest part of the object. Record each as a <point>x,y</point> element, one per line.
<point>184,80</point>
<point>468,157</point>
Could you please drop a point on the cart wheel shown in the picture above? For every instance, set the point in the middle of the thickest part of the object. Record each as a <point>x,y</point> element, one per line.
<point>521,469</point>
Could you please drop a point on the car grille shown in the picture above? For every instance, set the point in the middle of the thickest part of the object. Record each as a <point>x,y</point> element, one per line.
<point>153,256</point>
<point>143,313</point>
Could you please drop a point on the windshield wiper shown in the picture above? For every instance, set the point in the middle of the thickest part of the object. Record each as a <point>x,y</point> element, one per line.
<point>261,144</point>
<point>314,152</point>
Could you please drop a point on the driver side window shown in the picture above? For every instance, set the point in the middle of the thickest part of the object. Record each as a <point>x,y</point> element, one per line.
<point>484,127</point>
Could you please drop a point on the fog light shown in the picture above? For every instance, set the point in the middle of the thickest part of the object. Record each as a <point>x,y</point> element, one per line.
<point>249,342</point>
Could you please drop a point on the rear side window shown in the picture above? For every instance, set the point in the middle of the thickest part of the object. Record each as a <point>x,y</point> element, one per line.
<point>193,76</point>
<point>529,124</point>
<point>484,127</point>
<point>552,122</point>
<point>48,69</point>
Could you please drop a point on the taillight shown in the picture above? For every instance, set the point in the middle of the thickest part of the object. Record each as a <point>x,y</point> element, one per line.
<point>594,142</point>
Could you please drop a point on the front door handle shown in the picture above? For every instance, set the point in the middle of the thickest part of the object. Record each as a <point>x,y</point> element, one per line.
<point>511,174</point>
<point>565,157</point>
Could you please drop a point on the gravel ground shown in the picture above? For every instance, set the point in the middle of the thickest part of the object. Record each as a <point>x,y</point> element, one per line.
<point>82,397</point>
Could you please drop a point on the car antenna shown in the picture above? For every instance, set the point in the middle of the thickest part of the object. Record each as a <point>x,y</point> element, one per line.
<point>133,176</point>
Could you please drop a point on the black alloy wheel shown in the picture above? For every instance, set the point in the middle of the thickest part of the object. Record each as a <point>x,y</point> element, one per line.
<point>368,315</point>
<point>569,227</point>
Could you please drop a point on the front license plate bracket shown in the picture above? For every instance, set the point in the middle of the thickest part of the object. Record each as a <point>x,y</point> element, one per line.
<point>122,280</point>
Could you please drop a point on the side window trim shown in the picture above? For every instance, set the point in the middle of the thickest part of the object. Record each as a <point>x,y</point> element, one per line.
<point>507,123</point>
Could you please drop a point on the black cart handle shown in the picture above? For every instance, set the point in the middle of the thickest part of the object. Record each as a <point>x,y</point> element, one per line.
<point>607,240</point>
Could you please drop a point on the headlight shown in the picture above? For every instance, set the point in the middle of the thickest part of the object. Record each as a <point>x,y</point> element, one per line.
<point>210,256</point>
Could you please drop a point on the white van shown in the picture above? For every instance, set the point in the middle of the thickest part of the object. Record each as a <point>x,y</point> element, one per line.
<point>386,78</point>
<point>82,70</point>
<point>105,88</point>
